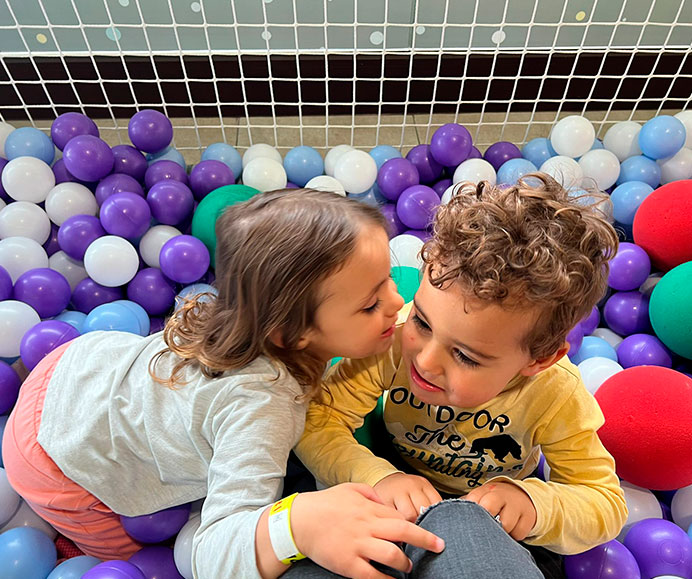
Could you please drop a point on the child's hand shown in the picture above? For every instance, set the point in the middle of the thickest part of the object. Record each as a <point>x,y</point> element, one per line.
<point>407,493</point>
<point>345,527</point>
<point>513,506</point>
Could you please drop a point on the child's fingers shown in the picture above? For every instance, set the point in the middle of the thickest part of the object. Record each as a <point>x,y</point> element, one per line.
<point>406,507</point>
<point>367,491</point>
<point>522,528</point>
<point>386,553</point>
<point>362,569</point>
<point>398,531</point>
<point>432,495</point>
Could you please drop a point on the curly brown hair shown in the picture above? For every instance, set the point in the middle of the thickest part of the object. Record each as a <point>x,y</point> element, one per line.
<point>273,253</point>
<point>528,245</point>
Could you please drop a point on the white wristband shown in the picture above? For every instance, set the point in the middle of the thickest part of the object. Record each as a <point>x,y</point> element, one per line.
<point>280,534</point>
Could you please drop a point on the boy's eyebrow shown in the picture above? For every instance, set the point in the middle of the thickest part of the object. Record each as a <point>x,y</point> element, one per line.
<point>455,342</point>
<point>373,292</point>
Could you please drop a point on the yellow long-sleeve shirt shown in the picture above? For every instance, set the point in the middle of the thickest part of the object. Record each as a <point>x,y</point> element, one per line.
<point>458,449</point>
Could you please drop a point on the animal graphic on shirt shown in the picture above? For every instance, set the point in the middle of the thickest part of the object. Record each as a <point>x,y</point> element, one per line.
<point>500,445</point>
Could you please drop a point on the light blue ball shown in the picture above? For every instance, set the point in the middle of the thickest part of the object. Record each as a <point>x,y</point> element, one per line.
<point>29,142</point>
<point>640,168</point>
<point>26,553</point>
<point>194,289</point>
<point>302,164</point>
<point>382,154</point>
<point>111,317</point>
<point>227,154</point>
<point>140,313</point>
<point>372,196</point>
<point>627,198</point>
<point>538,151</point>
<point>662,137</point>
<point>168,154</point>
<point>511,171</point>
<point>74,318</point>
<point>74,568</point>
<point>592,347</point>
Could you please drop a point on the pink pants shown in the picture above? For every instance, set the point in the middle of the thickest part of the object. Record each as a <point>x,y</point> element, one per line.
<point>73,511</point>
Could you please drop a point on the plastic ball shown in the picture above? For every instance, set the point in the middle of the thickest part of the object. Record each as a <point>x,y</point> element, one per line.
<point>51,245</point>
<point>44,289</point>
<point>72,269</point>
<point>42,339</point>
<point>629,268</point>
<point>441,186</point>
<point>475,171</point>
<point>499,153</point>
<point>302,164</point>
<point>405,251</point>
<point>326,183</point>
<point>662,137</point>
<point>641,504</point>
<point>77,233</point>
<point>184,258</point>
<point>572,136</point>
<point>112,316</point>
<point>26,553</point>
<point>20,254</point>
<point>114,570</point>
<point>640,168</point>
<point>153,240</point>
<point>162,170</point>
<point>152,290</point>
<point>643,349</point>
<point>158,526</point>
<point>170,153</point>
<point>574,338</point>
<point>209,175</point>
<point>70,125</point>
<point>88,158</point>
<point>662,226</point>
<point>590,322</point>
<point>27,179</point>
<point>5,284</point>
<point>129,161</point>
<point>648,420</point>
<point>156,563</point>
<point>596,370</point>
<point>29,142</point>
<point>626,198</point>
<point>5,130</point>
<point>88,294</point>
<point>356,171</point>
<point>428,168</point>
<point>396,175</point>
<point>74,568</point>
<point>622,139</point>
<point>660,548</point>
<point>382,154</point>
<point>677,167</point>
<point>407,280</point>
<point>75,319</point>
<point>264,174</point>
<point>394,225</point>
<point>9,499</point>
<point>182,550</point>
<point>602,166</point>
<point>62,175</point>
<point>171,201</point>
<point>538,151</point>
<point>474,154</point>
<point>592,347</point>
<point>68,199</point>
<point>24,219</point>
<point>125,214</point>
<point>564,170</point>
<point>611,560</point>
<point>422,234</point>
<point>451,144</point>
<point>671,309</point>
<point>681,507</point>
<point>9,387</point>
<point>416,206</point>
<point>372,196</point>
<point>111,261</point>
<point>117,183</point>
<point>139,312</point>
<point>511,171</point>
<point>225,153</point>
<point>627,313</point>
<point>150,131</point>
<point>261,151</point>
<point>24,516</point>
<point>195,291</point>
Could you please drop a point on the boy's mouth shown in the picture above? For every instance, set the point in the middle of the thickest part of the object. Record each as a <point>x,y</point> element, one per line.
<point>421,382</point>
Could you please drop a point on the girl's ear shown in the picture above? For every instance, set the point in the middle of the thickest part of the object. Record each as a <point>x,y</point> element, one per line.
<point>276,338</point>
<point>537,366</point>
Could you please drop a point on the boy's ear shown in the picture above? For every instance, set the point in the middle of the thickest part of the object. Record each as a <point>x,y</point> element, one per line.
<point>541,364</point>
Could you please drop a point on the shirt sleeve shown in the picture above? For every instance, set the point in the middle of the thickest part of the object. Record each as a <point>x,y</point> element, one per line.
<point>327,447</point>
<point>582,505</point>
<point>252,433</point>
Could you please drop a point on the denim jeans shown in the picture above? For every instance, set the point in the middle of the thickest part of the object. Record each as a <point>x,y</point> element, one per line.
<point>476,548</point>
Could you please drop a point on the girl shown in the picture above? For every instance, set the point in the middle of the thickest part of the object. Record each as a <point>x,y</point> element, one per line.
<point>115,424</point>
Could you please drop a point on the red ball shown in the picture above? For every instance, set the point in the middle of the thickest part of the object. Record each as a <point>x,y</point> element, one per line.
<point>663,225</point>
<point>648,426</point>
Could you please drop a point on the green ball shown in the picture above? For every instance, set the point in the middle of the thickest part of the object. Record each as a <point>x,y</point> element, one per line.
<point>407,280</point>
<point>670,309</point>
<point>209,209</point>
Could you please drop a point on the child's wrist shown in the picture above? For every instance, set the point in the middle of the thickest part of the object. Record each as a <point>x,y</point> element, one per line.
<point>281,532</point>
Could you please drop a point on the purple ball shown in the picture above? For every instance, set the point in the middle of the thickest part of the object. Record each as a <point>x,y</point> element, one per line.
<point>157,324</point>
<point>9,387</point>
<point>660,548</point>
<point>451,144</point>
<point>207,176</point>
<point>158,526</point>
<point>62,175</point>
<point>3,194</point>
<point>421,234</point>
<point>76,234</point>
<point>152,290</point>
<point>416,206</point>
<point>129,161</point>
<point>428,168</point>
<point>627,313</point>
<point>88,158</point>
<point>171,201</point>
<point>184,258</point>
<point>501,152</point>
<point>474,154</point>
<point>117,183</point>
<point>395,176</point>
<point>643,350</point>
<point>52,244</point>
<point>394,225</point>
<point>114,570</point>
<point>43,338</point>
<point>290,185</point>
<point>44,289</point>
<point>610,560</point>
<point>574,339</point>
<point>164,169</point>
<point>629,268</point>
<point>150,131</point>
<point>125,214</point>
<point>5,284</point>
<point>69,125</point>
<point>441,186</point>
<point>88,294</point>
<point>590,322</point>
<point>156,563</point>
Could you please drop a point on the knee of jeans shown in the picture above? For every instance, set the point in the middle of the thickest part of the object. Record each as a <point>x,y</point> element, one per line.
<point>455,509</point>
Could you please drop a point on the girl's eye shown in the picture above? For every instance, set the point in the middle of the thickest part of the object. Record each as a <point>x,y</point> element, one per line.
<point>464,359</point>
<point>374,307</point>
<point>420,323</point>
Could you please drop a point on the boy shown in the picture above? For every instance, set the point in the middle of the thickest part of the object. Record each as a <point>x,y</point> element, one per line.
<point>477,384</point>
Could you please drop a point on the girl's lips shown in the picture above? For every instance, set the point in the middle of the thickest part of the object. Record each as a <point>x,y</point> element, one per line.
<point>422,382</point>
<point>388,332</point>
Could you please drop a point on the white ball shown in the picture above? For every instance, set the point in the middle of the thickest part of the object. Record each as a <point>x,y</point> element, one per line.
<point>68,199</point>
<point>24,219</point>
<point>356,170</point>
<point>333,155</point>
<point>648,286</point>
<point>111,260</point>
<point>602,166</point>
<point>70,268</point>
<point>572,136</point>
<point>564,170</point>
<point>5,129</point>
<point>641,504</point>
<point>9,499</point>
<point>182,550</point>
<point>20,254</point>
<point>594,371</point>
<point>15,319</point>
<point>264,174</point>
<point>685,117</point>
<point>608,335</point>
<point>450,192</point>
<point>405,250</point>
<point>475,170</point>
<point>153,240</point>
<point>261,151</point>
<point>2,204</point>
<point>676,168</point>
<point>326,183</point>
<point>622,139</point>
<point>681,507</point>
<point>28,179</point>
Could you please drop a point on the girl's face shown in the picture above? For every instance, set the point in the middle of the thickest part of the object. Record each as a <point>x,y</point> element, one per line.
<point>359,303</point>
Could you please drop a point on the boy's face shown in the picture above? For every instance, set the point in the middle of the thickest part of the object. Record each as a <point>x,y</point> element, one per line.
<point>461,353</point>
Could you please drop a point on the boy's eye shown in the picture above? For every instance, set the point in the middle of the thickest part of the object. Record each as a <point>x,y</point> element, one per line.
<point>373,307</point>
<point>464,359</point>
<point>420,323</point>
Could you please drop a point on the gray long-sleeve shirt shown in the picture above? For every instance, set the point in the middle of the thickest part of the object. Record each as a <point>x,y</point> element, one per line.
<point>141,447</point>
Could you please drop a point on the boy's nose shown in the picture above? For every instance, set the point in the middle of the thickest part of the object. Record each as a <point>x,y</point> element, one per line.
<point>427,359</point>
